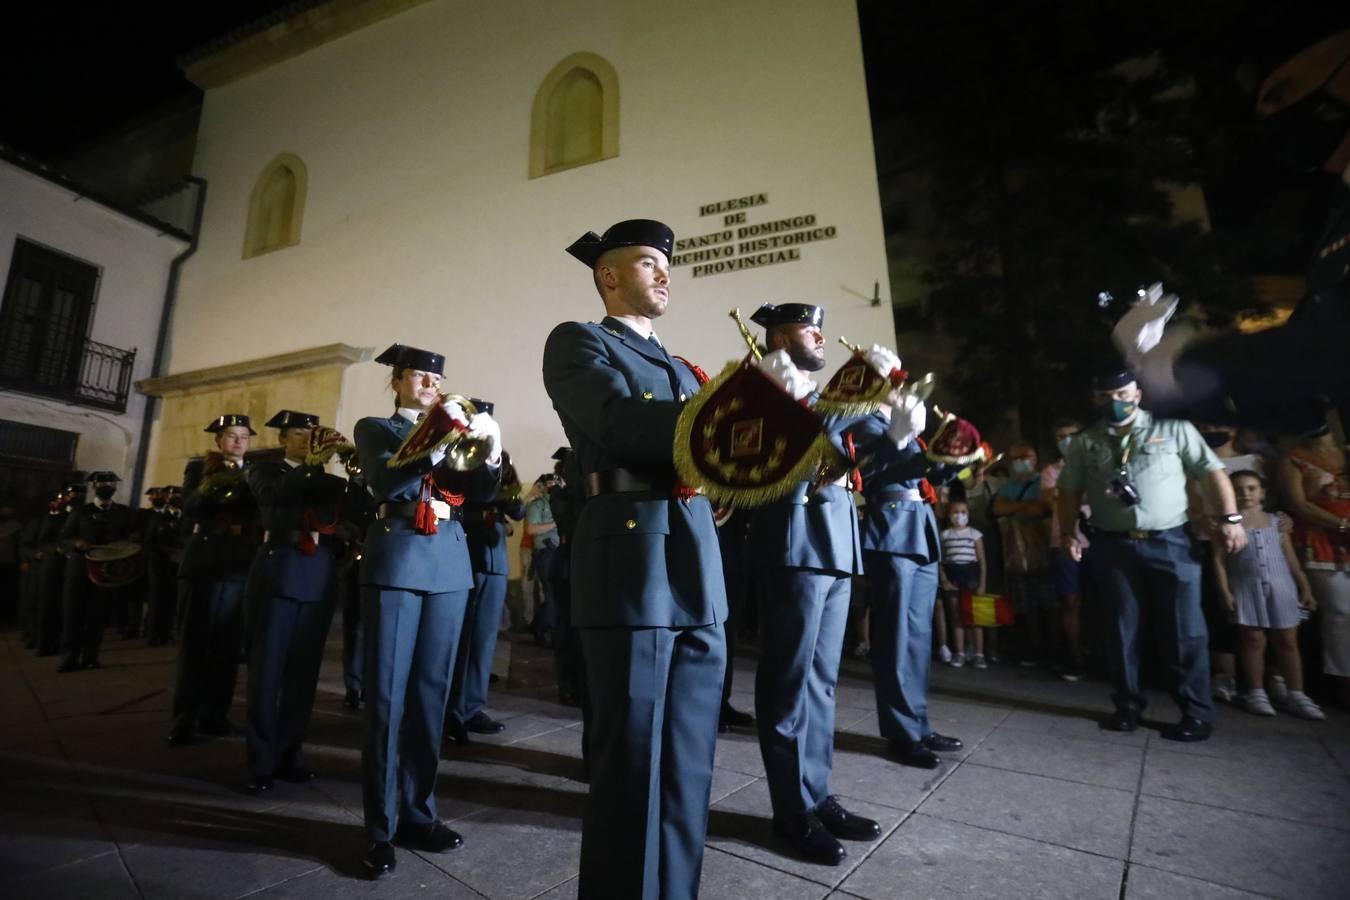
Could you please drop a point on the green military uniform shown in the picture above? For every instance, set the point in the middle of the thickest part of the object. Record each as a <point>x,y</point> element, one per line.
<point>1142,552</point>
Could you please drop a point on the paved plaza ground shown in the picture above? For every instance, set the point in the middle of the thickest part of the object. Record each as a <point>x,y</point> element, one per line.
<point>1040,804</point>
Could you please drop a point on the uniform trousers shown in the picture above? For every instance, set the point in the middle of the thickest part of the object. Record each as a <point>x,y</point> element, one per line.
<point>804,613</point>
<point>51,577</point>
<point>161,581</point>
<point>411,640</point>
<point>1164,573</point>
<point>208,653</point>
<point>903,591</point>
<point>353,635</point>
<point>477,644</point>
<point>84,611</point>
<point>285,653</point>
<point>655,698</point>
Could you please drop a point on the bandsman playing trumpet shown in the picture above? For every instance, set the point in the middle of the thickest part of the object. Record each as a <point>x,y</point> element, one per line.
<point>291,594</point>
<point>415,583</point>
<point>219,518</point>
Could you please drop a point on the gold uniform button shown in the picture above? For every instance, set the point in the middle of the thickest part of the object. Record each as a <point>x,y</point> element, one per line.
<point>630,524</point>
<point>646,395</point>
<point>682,398</point>
<point>892,506</point>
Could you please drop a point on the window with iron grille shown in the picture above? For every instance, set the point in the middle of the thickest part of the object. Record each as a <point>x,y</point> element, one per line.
<point>44,318</point>
<point>33,446</point>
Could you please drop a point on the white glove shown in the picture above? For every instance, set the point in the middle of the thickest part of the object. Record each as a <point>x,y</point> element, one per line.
<point>1141,329</point>
<point>908,421</point>
<point>483,427</point>
<point>456,412</point>
<point>883,359</point>
<point>778,366</point>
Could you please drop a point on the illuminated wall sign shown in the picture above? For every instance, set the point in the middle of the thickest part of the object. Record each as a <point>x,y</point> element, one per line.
<point>741,244</point>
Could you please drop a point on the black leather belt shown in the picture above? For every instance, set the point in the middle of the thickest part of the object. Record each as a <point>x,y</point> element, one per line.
<point>1133,535</point>
<point>409,509</point>
<point>622,481</point>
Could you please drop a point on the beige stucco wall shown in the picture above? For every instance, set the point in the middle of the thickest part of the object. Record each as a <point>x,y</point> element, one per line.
<point>423,226</point>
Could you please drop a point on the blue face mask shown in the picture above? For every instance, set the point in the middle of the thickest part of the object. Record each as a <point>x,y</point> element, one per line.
<point>1117,412</point>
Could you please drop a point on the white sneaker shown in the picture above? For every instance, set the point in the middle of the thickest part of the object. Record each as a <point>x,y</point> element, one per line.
<point>958,660</point>
<point>945,654</point>
<point>1257,703</point>
<point>1222,687</point>
<point>1301,705</point>
<point>979,662</point>
<point>1277,689</point>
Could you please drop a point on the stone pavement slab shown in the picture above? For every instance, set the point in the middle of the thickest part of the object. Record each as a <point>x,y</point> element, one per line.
<point>934,859</point>
<point>1153,884</point>
<point>1102,763</point>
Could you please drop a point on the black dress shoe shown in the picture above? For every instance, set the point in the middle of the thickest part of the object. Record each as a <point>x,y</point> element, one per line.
<point>1125,720</point>
<point>481,723</point>
<point>455,732</point>
<point>734,718</point>
<point>940,743</point>
<point>92,664</point>
<point>352,699</point>
<point>379,860</point>
<point>1189,730</point>
<point>257,785</point>
<point>845,825</point>
<point>810,840</point>
<point>296,774</point>
<point>68,665</point>
<point>435,838</point>
<point>916,755</point>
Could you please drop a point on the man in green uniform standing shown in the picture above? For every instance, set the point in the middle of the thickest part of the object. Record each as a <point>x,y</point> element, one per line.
<point>1131,469</point>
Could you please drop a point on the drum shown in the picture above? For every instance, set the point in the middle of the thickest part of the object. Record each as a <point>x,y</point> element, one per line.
<point>114,565</point>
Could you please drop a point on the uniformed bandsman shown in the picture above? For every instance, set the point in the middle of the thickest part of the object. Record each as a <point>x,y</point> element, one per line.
<point>85,606</point>
<point>803,552</point>
<point>648,596</point>
<point>220,521</point>
<point>293,589</point>
<point>51,560</point>
<point>415,579</point>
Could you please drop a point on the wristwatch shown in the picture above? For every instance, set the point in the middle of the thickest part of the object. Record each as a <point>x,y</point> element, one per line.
<point>1232,518</point>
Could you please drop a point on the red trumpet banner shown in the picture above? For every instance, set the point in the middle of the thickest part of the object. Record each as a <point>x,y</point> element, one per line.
<point>857,388</point>
<point>743,441</point>
<point>430,434</point>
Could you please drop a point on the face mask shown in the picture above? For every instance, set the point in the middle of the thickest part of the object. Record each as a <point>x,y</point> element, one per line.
<point>105,493</point>
<point>1021,467</point>
<point>1216,439</point>
<point>1063,444</point>
<point>176,501</point>
<point>960,520</point>
<point>1117,411</point>
<point>158,503</point>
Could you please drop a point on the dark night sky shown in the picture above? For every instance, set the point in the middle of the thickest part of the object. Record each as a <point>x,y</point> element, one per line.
<point>74,70</point>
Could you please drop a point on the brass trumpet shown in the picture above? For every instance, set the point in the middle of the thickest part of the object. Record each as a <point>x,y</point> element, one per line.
<point>463,452</point>
<point>326,443</point>
<point>747,335</point>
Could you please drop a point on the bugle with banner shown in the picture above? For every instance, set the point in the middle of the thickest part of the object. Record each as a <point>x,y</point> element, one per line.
<point>327,443</point>
<point>860,388</point>
<point>743,441</point>
<point>439,430</point>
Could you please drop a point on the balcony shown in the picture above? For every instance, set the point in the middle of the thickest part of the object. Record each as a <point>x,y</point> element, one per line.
<point>101,377</point>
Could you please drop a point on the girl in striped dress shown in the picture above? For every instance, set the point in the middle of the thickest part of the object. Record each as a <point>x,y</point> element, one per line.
<point>1264,587</point>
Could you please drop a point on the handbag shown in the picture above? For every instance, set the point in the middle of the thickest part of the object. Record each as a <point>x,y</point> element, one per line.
<point>985,610</point>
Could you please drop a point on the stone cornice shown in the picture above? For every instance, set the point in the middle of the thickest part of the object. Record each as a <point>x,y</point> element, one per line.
<point>250,369</point>
<point>288,38</point>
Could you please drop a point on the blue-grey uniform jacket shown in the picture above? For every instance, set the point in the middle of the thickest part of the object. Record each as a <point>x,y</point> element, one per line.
<point>395,555</point>
<point>220,527</point>
<point>485,528</point>
<point>809,529</point>
<point>638,558</point>
<point>893,522</point>
<point>284,493</point>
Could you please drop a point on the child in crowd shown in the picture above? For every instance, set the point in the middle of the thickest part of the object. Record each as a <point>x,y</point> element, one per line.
<point>963,569</point>
<point>1264,587</point>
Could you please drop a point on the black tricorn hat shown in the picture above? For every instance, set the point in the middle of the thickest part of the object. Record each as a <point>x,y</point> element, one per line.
<point>1111,371</point>
<point>769,315</point>
<point>96,477</point>
<point>561,453</point>
<point>153,490</point>
<point>228,420</point>
<point>172,489</point>
<point>630,233</point>
<point>483,406</point>
<point>289,418</point>
<point>401,357</point>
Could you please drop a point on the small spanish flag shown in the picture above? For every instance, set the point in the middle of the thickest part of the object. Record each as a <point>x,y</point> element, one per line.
<point>985,610</point>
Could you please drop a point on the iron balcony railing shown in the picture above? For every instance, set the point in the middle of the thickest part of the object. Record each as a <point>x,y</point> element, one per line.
<point>102,378</point>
